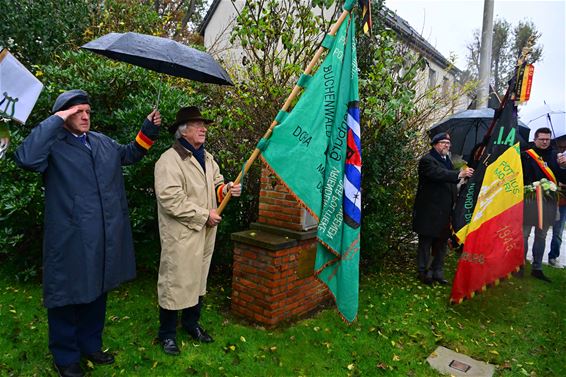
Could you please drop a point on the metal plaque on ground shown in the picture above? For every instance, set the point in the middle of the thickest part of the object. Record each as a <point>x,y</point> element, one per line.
<point>456,364</point>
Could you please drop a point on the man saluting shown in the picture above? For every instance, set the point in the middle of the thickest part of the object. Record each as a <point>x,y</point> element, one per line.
<point>87,246</point>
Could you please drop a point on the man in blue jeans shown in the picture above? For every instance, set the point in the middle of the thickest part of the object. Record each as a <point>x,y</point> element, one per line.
<point>558,226</point>
<point>557,230</point>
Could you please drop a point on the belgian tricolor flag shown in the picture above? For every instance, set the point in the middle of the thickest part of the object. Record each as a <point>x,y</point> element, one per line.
<point>493,238</point>
<point>524,82</point>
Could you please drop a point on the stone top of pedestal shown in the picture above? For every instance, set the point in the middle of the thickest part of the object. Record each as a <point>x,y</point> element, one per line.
<point>294,234</point>
<point>264,239</point>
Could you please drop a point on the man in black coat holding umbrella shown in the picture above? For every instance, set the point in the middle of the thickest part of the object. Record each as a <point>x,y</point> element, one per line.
<point>435,198</point>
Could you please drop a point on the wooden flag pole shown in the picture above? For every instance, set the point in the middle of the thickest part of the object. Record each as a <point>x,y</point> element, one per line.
<point>286,105</point>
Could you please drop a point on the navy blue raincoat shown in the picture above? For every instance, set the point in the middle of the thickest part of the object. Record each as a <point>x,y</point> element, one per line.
<point>87,247</point>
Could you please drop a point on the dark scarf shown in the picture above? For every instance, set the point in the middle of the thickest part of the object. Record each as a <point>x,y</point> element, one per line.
<point>198,153</point>
<point>546,154</point>
<point>446,161</point>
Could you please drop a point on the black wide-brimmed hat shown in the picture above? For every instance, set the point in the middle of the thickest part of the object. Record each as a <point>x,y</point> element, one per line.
<point>187,114</point>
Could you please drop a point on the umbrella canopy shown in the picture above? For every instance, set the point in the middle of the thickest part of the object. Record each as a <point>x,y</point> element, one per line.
<point>555,120</point>
<point>161,55</point>
<point>467,128</point>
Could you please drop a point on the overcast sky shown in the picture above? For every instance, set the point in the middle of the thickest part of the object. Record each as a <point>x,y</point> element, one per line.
<point>449,24</point>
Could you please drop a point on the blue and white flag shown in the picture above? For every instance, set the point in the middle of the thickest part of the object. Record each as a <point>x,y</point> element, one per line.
<point>353,169</point>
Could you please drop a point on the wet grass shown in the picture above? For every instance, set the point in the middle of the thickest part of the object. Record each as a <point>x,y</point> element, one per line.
<point>518,326</point>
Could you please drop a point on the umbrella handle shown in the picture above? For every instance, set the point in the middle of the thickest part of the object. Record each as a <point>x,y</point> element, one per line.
<point>159,90</point>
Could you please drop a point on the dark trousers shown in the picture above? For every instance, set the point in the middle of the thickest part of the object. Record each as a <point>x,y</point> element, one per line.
<point>431,248</point>
<point>168,320</point>
<point>76,330</point>
<point>557,230</point>
<point>539,244</point>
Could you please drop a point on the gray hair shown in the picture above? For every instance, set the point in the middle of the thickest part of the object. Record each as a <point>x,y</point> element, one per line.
<point>180,129</point>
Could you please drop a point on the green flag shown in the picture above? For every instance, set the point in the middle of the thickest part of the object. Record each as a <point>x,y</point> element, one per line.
<point>316,152</point>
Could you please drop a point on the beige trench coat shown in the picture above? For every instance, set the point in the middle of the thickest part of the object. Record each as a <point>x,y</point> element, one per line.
<point>184,197</point>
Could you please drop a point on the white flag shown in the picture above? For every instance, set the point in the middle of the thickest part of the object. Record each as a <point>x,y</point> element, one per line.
<point>19,88</point>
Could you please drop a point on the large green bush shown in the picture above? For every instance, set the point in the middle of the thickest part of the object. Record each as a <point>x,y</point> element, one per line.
<point>122,96</point>
<point>34,31</point>
<point>391,145</point>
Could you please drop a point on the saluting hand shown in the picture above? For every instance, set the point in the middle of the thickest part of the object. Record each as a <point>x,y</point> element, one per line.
<point>155,117</point>
<point>64,114</point>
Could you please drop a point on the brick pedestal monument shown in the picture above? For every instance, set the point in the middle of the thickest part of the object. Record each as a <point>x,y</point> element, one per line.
<point>273,266</point>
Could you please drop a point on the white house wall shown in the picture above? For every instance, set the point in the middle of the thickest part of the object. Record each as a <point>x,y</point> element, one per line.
<point>217,32</point>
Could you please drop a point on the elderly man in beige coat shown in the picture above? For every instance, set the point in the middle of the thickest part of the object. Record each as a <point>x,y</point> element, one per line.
<point>188,186</point>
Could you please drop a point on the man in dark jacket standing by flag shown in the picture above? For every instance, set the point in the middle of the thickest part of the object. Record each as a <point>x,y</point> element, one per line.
<point>542,161</point>
<point>87,246</point>
<point>435,198</point>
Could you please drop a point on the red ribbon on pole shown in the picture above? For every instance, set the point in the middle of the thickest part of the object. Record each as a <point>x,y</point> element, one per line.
<point>538,191</point>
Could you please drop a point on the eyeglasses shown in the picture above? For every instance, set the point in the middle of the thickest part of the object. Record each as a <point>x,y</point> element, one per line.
<point>445,142</point>
<point>198,125</point>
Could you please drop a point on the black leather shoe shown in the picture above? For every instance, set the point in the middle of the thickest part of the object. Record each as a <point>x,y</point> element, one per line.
<point>72,370</point>
<point>198,333</point>
<point>425,279</point>
<point>100,358</point>
<point>441,281</point>
<point>170,347</point>
<point>539,275</point>
<point>520,273</point>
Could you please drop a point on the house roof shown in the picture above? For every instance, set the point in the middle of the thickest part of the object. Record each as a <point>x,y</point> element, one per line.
<point>391,20</point>
<point>410,36</point>
<point>202,27</point>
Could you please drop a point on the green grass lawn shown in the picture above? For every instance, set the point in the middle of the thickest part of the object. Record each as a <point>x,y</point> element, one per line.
<point>519,326</point>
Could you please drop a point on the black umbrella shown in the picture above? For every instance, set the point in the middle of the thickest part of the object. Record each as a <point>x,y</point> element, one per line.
<point>467,128</point>
<point>161,55</point>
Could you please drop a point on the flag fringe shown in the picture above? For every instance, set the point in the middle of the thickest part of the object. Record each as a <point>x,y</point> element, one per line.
<point>492,283</point>
<point>334,252</point>
<point>336,303</point>
<point>301,203</point>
